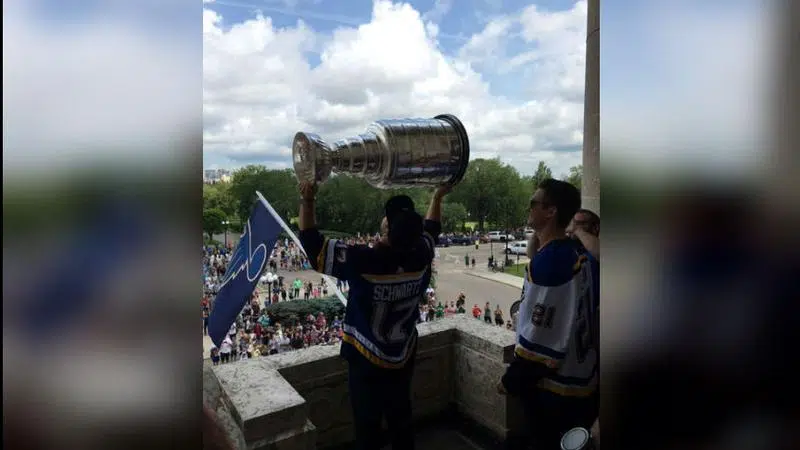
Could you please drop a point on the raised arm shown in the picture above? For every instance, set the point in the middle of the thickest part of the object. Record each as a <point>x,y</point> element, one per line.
<point>308,197</point>
<point>433,218</point>
<point>590,242</point>
<point>311,239</point>
<point>435,208</point>
<point>326,256</point>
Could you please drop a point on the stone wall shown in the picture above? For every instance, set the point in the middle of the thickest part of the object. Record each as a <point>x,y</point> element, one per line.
<point>299,399</point>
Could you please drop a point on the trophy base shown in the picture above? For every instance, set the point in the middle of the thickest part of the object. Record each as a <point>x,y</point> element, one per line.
<point>311,158</point>
<point>461,132</point>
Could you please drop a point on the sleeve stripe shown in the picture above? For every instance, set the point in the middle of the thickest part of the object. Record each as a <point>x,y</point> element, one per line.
<point>524,353</point>
<point>330,253</point>
<point>321,255</point>
<point>430,241</point>
<point>540,349</point>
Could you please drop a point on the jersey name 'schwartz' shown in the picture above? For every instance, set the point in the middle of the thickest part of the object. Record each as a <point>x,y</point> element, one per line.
<point>390,293</point>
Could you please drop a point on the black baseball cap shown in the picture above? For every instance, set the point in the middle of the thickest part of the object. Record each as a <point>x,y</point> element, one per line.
<point>397,204</point>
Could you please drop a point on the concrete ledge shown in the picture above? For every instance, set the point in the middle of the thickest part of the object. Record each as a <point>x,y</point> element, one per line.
<point>302,438</point>
<point>285,401</point>
<point>263,403</point>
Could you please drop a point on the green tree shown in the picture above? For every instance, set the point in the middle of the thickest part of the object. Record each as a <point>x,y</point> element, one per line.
<point>349,204</point>
<point>218,196</point>
<point>542,173</point>
<point>575,176</point>
<point>213,222</point>
<point>279,187</point>
<point>453,217</point>
<point>491,192</point>
<point>511,207</point>
<point>476,191</point>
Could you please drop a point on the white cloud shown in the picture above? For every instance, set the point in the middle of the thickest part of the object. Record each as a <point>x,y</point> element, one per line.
<point>392,66</point>
<point>78,92</point>
<point>556,64</point>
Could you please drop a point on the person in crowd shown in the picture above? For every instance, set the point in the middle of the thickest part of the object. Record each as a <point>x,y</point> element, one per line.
<point>487,313</point>
<point>387,278</point>
<point>498,316</point>
<point>476,311</point>
<point>439,310</point>
<point>225,349</point>
<point>423,313</point>
<point>461,300</point>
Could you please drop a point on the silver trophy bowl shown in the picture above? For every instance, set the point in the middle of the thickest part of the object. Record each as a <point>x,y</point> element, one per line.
<point>390,154</point>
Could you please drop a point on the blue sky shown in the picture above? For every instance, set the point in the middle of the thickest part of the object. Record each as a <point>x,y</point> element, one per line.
<point>669,69</point>
<point>457,21</point>
<point>520,94</point>
<point>535,103</point>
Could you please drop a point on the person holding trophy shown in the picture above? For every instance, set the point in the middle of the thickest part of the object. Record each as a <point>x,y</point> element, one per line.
<point>388,281</point>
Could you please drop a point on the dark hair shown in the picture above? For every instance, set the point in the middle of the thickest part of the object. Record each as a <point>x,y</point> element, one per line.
<point>405,229</point>
<point>564,196</point>
<point>592,218</point>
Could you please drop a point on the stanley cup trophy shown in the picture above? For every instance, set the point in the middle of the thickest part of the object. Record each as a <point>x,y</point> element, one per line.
<point>390,154</point>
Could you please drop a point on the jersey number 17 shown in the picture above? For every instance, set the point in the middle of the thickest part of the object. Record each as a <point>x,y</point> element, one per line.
<point>390,320</point>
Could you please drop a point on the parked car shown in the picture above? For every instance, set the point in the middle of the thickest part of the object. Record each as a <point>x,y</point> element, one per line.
<point>517,248</point>
<point>499,236</point>
<point>528,232</point>
<point>462,240</point>
<point>444,241</point>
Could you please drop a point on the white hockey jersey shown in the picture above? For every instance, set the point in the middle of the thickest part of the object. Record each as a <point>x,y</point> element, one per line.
<point>558,320</point>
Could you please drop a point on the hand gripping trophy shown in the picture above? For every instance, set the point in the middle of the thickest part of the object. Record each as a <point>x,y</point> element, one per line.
<point>390,154</point>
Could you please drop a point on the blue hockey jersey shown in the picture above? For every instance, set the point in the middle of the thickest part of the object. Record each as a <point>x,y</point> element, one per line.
<point>386,289</point>
<point>558,321</point>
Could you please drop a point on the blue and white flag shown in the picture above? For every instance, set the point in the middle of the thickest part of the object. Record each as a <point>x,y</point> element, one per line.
<point>244,271</point>
<point>247,264</point>
<point>328,279</point>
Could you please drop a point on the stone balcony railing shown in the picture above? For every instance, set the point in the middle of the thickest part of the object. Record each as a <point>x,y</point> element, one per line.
<point>299,399</point>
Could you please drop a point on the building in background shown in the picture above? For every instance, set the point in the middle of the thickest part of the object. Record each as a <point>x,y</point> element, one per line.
<point>212,176</point>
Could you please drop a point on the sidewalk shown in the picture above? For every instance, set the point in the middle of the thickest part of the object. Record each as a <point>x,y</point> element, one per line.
<point>499,277</point>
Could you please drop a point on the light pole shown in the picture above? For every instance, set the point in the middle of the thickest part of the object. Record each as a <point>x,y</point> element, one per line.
<point>225,224</point>
<point>506,259</point>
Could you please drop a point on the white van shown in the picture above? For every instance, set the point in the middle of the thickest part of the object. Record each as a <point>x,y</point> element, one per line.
<point>500,236</point>
<point>518,248</point>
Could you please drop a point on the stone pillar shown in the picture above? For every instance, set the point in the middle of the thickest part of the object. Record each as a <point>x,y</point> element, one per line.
<point>590,183</point>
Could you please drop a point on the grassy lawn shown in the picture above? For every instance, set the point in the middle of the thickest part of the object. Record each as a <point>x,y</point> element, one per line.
<point>516,270</point>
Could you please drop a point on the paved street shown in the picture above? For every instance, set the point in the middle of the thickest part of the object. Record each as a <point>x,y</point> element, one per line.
<point>454,277</point>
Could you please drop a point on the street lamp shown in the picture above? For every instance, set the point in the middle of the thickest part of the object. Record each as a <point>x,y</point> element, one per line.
<point>225,224</point>
<point>506,259</point>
